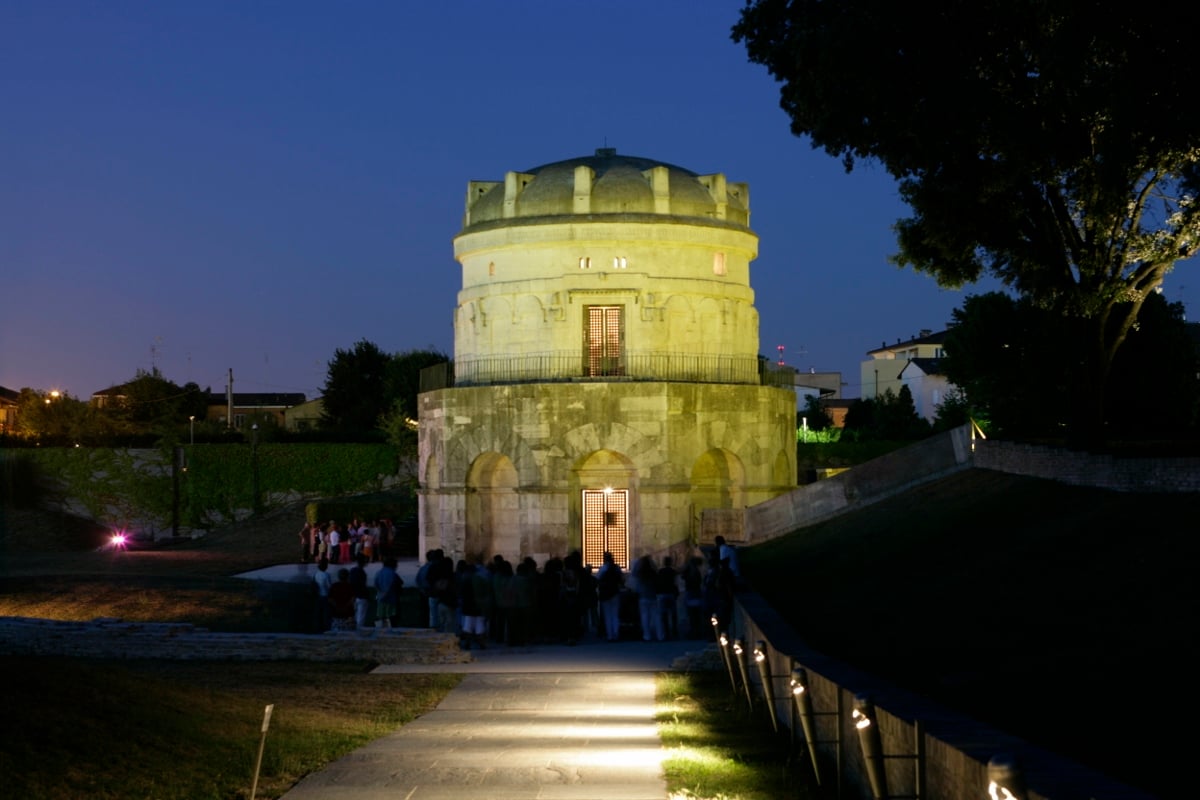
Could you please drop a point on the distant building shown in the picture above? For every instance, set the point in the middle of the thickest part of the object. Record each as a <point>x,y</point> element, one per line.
<point>248,405</point>
<point>304,416</point>
<point>606,392</point>
<point>915,363</point>
<point>8,410</point>
<point>111,397</point>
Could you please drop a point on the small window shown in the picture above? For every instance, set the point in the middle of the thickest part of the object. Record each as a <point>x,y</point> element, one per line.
<point>718,263</point>
<point>491,268</point>
<point>585,262</point>
<point>620,262</point>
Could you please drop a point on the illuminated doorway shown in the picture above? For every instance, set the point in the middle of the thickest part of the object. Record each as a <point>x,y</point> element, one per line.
<point>606,525</point>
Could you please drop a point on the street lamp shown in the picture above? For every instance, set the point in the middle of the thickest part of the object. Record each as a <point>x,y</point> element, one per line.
<point>192,429</point>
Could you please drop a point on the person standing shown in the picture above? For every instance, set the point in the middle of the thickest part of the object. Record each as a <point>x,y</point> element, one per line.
<point>387,593</point>
<point>306,543</point>
<point>322,582</point>
<point>728,552</point>
<point>666,591</point>
<point>609,581</point>
<point>645,572</point>
<point>693,596</point>
<point>362,598</point>
<point>333,540</point>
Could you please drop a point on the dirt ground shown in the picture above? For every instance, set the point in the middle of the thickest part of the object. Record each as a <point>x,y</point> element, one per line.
<point>34,542</point>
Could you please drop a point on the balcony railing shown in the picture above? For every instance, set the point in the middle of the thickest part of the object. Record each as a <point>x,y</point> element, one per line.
<point>577,368</point>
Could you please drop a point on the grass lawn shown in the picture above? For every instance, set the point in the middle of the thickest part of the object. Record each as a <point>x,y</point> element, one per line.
<point>178,730</point>
<point>1064,615</point>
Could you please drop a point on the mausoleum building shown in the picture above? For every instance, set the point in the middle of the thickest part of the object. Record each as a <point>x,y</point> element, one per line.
<point>606,391</point>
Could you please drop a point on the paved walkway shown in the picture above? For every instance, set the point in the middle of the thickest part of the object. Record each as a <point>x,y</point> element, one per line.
<point>548,722</point>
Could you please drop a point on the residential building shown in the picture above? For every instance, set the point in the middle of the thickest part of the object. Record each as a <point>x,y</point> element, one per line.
<point>250,405</point>
<point>9,404</point>
<point>915,363</point>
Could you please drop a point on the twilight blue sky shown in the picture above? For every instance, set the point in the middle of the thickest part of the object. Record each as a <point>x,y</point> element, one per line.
<point>201,186</point>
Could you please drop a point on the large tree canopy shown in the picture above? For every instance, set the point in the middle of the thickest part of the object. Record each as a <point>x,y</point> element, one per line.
<point>1051,143</point>
<point>365,384</point>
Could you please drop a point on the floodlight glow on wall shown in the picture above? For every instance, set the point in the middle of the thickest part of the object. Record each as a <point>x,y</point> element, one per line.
<point>872,745</point>
<point>739,649</point>
<point>764,674</point>
<point>802,706</point>
<point>1005,780</point>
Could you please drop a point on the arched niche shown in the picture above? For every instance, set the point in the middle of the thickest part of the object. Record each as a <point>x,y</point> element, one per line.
<point>492,508</point>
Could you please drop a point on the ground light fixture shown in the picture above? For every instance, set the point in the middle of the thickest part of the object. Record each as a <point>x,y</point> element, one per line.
<point>1005,779</point>
<point>802,707</point>
<point>723,645</point>
<point>764,674</point>
<point>727,657</point>
<point>739,651</point>
<point>865,722</point>
<point>872,745</point>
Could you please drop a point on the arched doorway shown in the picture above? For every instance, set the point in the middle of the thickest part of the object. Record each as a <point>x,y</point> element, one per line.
<point>605,484</point>
<point>492,508</point>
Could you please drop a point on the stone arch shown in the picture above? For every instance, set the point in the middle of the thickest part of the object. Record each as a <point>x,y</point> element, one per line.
<point>499,437</point>
<point>718,480</point>
<point>643,453</point>
<point>718,494</point>
<point>781,471</point>
<point>492,507</point>
<point>529,309</point>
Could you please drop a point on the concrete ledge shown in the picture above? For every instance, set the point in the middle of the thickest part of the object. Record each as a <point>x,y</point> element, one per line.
<point>114,638</point>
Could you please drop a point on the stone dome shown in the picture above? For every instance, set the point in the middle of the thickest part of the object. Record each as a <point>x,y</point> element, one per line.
<point>603,184</point>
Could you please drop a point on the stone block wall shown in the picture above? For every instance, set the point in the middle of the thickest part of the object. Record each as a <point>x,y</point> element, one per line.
<point>1089,469</point>
<point>115,638</point>
<point>950,452</point>
<point>955,748</point>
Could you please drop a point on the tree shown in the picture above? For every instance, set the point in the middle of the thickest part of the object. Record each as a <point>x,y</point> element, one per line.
<point>368,390</point>
<point>890,415</point>
<point>954,411</point>
<point>404,377</point>
<point>152,404</point>
<point>53,417</point>
<point>354,396</point>
<point>1013,360</point>
<point>815,415</point>
<point>1051,144</point>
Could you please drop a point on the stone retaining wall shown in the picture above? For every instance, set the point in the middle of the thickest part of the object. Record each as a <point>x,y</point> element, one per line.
<point>956,749</point>
<point>115,638</point>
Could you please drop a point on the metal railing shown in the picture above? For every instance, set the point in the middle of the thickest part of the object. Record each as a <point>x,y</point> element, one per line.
<point>563,367</point>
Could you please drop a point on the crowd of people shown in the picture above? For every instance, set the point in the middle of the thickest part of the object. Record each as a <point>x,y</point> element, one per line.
<point>498,602</point>
<point>343,543</point>
<point>565,599</point>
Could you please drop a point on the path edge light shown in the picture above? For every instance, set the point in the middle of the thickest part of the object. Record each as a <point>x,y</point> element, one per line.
<point>764,674</point>
<point>739,650</point>
<point>871,743</point>
<point>1006,780</point>
<point>803,706</point>
<point>723,646</point>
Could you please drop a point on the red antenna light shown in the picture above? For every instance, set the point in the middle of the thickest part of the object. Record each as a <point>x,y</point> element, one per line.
<point>780,349</point>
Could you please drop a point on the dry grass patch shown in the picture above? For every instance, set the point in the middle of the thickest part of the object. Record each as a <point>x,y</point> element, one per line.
<point>186,730</point>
